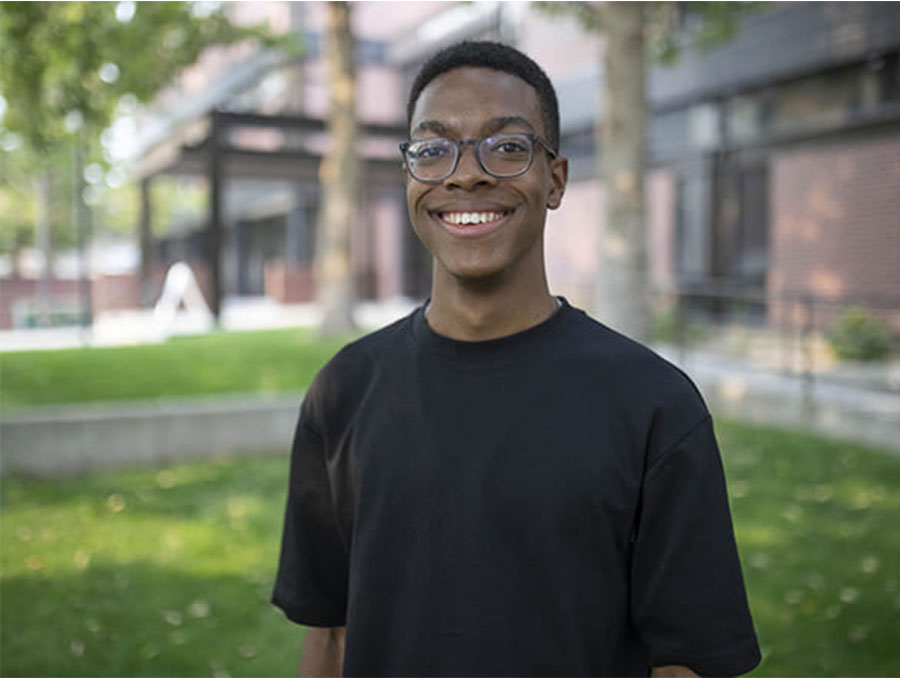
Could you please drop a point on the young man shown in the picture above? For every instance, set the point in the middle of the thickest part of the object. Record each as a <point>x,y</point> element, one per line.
<point>497,484</point>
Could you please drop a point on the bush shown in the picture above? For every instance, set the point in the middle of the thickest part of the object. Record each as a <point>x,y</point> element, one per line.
<point>859,336</point>
<point>664,325</point>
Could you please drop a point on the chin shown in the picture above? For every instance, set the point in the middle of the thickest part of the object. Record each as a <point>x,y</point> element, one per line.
<point>482,273</point>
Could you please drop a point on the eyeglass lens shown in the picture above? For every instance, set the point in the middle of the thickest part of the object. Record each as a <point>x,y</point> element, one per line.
<point>502,155</point>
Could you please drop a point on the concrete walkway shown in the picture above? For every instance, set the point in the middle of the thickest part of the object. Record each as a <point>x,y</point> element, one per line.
<point>128,328</point>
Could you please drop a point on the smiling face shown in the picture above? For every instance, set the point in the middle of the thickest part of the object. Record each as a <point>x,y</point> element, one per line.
<point>476,225</point>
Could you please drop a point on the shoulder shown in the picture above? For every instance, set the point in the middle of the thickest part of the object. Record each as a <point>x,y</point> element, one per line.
<point>348,375</point>
<point>643,387</point>
<point>363,353</point>
<point>628,364</point>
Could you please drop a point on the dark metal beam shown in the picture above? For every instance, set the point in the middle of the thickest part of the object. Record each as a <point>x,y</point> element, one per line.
<point>302,123</point>
<point>145,236</point>
<point>214,226</point>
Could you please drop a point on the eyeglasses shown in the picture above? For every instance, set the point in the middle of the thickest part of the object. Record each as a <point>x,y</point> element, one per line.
<point>504,155</point>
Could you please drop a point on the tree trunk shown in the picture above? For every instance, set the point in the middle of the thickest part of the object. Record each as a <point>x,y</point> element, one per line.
<point>622,280</point>
<point>339,178</point>
<point>215,226</point>
<point>83,239</point>
<point>44,231</point>
<point>145,237</point>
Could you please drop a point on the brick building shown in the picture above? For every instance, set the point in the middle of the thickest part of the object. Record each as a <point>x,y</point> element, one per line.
<point>774,158</point>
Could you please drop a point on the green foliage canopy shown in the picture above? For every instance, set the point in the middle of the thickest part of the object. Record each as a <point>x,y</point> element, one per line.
<point>73,61</point>
<point>670,27</point>
<point>66,70</point>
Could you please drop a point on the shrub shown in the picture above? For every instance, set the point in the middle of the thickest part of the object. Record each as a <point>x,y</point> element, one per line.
<point>859,336</point>
<point>664,325</point>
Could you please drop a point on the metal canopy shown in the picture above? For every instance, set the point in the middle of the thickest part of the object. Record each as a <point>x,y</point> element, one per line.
<point>204,147</point>
<point>180,154</point>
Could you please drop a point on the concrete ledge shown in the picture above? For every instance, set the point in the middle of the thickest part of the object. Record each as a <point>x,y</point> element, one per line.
<point>83,438</point>
<point>838,412</point>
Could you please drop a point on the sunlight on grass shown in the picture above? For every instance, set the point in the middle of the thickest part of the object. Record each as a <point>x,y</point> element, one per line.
<point>222,362</point>
<point>168,571</point>
<point>161,572</point>
<point>813,520</point>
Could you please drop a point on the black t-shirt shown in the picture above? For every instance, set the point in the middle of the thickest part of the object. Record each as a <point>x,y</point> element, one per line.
<point>547,503</point>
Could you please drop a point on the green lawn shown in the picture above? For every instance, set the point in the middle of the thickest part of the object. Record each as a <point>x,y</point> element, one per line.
<point>168,572</point>
<point>222,362</point>
<point>162,572</point>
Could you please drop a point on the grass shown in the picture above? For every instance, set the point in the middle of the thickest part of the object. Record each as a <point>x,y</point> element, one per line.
<point>223,362</point>
<point>168,572</point>
<point>816,526</point>
<point>161,572</point>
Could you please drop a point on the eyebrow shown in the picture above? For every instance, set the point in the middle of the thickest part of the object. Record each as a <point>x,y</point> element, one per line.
<point>492,125</point>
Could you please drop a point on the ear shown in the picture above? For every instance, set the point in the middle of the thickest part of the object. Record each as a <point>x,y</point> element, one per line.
<point>559,177</point>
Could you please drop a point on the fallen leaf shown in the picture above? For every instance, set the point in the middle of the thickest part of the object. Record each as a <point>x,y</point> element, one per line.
<point>115,502</point>
<point>793,597</point>
<point>172,617</point>
<point>869,565</point>
<point>815,581</point>
<point>738,489</point>
<point>199,609</point>
<point>247,651</point>
<point>759,561</point>
<point>849,595</point>
<point>165,479</point>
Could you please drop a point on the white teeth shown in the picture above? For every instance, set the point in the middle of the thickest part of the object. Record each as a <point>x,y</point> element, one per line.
<point>470,217</point>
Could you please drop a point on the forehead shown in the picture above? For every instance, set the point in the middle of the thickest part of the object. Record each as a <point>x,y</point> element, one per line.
<point>465,98</point>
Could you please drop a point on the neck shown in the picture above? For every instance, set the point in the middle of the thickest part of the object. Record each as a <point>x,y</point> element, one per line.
<point>487,309</point>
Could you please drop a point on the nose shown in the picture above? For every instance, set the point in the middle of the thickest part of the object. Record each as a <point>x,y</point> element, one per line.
<point>469,173</point>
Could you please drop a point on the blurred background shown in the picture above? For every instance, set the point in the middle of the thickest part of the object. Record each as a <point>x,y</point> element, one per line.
<point>201,201</point>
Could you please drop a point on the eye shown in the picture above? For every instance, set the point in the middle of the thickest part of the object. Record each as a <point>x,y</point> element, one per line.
<point>508,146</point>
<point>429,150</point>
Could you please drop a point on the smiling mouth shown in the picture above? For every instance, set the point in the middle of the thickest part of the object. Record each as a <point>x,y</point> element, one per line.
<point>462,219</point>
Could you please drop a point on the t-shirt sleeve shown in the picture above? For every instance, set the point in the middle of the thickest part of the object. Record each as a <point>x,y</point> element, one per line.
<point>688,601</point>
<point>311,584</point>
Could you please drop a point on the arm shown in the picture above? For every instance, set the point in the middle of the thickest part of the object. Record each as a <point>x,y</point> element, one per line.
<point>688,599</point>
<point>323,653</point>
<point>671,672</point>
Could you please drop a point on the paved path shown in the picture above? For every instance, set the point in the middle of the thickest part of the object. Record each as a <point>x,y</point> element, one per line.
<point>127,328</point>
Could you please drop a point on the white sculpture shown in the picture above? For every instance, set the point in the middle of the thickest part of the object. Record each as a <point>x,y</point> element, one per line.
<point>180,289</point>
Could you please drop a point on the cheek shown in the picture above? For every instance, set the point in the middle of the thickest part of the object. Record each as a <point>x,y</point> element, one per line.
<point>415,218</point>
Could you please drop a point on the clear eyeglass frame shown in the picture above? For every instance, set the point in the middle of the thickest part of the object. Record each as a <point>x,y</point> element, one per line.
<point>458,145</point>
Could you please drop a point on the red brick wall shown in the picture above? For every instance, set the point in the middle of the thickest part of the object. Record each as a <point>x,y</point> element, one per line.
<point>108,292</point>
<point>14,289</point>
<point>115,292</point>
<point>835,228</point>
<point>288,284</point>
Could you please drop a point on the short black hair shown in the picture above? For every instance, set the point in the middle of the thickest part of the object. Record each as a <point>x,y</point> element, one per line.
<point>500,57</point>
